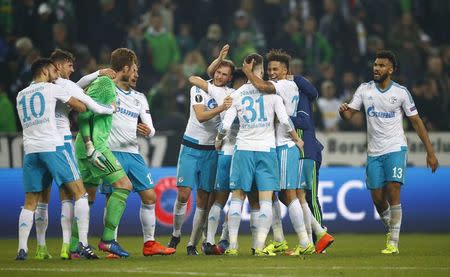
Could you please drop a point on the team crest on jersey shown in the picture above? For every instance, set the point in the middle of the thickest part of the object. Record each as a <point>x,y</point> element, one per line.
<point>393,100</point>
<point>212,104</point>
<point>136,102</point>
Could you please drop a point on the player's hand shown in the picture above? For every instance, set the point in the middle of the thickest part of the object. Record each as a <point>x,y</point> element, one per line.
<point>108,72</point>
<point>227,102</point>
<point>343,107</point>
<point>224,51</point>
<point>432,162</point>
<point>300,143</point>
<point>114,106</point>
<point>248,67</point>
<point>218,143</point>
<point>143,129</point>
<point>95,157</point>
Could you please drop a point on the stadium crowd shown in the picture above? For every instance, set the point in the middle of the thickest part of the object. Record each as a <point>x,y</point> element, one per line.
<point>332,42</point>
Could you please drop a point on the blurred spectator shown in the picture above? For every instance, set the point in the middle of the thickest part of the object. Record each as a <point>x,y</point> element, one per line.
<point>348,86</point>
<point>289,38</point>
<point>111,25</point>
<point>405,42</point>
<point>244,46</point>
<point>356,39</point>
<point>162,46</point>
<point>315,49</point>
<point>439,81</point>
<point>253,35</point>
<point>8,118</point>
<point>26,55</point>
<point>194,64</point>
<point>173,86</point>
<point>184,39</point>
<point>425,96</point>
<point>296,67</point>
<point>333,27</point>
<point>164,8</point>
<point>329,106</point>
<point>60,39</point>
<point>135,40</point>
<point>64,11</point>
<point>44,22</point>
<point>210,45</point>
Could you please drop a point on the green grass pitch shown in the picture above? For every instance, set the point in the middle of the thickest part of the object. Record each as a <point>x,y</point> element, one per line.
<point>350,255</point>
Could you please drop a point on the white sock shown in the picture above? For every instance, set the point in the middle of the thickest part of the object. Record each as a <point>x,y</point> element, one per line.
<point>41,221</point>
<point>81,215</point>
<point>277,226</point>
<point>213,223</point>
<point>25,224</point>
<point>307,220</point>
<point>395,223</point>
<point>315,225</point>
<point>66,219</point>
<point>224,235</point>
<point>254,226</point>
<point>197,225</point>
<point>148,220</point>
<point>179,212</point>
<point>296,216</point>
<point>234,220</point>
<point>264,222</point>
<point>385,217</point>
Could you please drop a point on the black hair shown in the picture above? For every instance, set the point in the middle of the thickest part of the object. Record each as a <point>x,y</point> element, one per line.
<point>39,65</point>
<point>386,54</point>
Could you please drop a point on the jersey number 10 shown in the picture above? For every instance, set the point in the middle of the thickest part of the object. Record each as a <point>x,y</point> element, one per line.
<point>26,116</point>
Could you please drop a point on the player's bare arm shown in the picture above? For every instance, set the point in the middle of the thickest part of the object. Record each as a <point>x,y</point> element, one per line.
<point>143,129</point>
<point>204,115</point>
<point>215,64</point>
<point>346,112</point>
<point>421,131</point>
<point>76,105</point>
<point>260,84</point>
<point>199,82</point>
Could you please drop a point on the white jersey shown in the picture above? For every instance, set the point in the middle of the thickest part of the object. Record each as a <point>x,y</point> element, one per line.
<point>256,113</point>
<point>130,106</point>
<point>288,91</point>
<point>62,110</point>
<point>36,108</point>
<point>196,132</point>
<point>384,115</point>
<point>219,94</point>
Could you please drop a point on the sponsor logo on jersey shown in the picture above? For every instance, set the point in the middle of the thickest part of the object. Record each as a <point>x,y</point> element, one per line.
<point>373,113</point>
<point>211,104</point>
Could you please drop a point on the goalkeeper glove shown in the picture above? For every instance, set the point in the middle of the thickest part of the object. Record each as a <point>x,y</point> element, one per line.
<point>94,156</point>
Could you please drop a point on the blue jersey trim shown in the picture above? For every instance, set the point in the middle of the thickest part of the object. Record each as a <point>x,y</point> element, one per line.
<point>124,92</point>
<point>383,91</point>
<point>69,137</point>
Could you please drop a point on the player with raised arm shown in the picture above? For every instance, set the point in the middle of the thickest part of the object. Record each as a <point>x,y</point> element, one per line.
<point>384,103</point>
<point>254,159</point>
<point>96,161</point>
<point>218,89</point>
<point>45,157</point>
<point>63,61</point>
<point>288,154</point>
<point>197,161</point>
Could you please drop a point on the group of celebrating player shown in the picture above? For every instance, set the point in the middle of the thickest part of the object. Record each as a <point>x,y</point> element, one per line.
<point>252,139</point>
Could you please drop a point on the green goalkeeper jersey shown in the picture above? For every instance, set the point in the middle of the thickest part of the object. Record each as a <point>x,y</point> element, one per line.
<point>97,126</point>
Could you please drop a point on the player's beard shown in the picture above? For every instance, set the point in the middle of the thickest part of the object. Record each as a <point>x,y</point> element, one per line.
<point>381,79</point>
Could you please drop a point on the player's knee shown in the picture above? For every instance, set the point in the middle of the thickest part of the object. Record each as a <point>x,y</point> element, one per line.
<point>148,197</point>
<point>183,194</point>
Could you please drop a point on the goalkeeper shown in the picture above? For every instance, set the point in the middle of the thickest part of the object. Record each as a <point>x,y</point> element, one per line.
<point>96,161</point>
